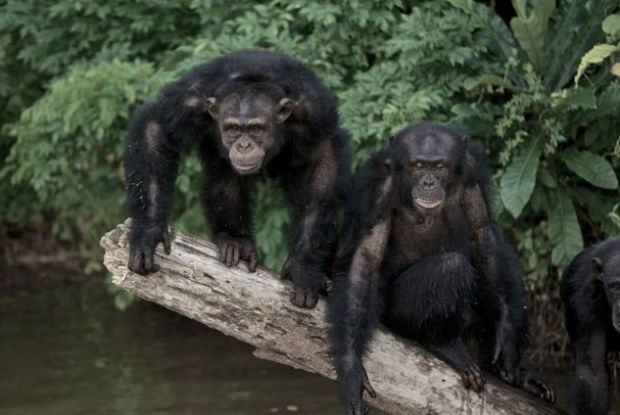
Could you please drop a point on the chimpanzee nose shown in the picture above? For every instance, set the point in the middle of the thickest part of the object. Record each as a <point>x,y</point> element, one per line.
<point>428,183</point>
<point>243,145</point>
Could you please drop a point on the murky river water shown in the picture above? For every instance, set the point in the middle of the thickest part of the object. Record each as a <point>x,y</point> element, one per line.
<point>67,351</point>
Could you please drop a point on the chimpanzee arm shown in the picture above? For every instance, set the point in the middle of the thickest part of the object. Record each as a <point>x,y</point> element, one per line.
<point>488,254</point>
<point>227,200</point>
<point>151,160</point>
<point>314,194</point>
<point>354,312</point>
<point>354,306</point>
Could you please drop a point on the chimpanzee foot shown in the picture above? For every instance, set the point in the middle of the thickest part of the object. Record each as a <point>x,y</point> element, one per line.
<point>472,377</point>
<point>533,384</point>
<point>307,283</point>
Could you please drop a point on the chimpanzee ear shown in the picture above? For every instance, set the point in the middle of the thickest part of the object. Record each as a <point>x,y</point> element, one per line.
<point>213,107</point>
<point>285,108</point>
<point>388,164</point>
<point>597,267</point>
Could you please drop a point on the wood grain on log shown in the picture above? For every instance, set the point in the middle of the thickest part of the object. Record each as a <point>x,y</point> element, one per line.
<point>255,308</point>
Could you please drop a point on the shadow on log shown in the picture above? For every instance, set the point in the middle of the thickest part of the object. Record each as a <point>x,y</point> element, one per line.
<point>255,308</point>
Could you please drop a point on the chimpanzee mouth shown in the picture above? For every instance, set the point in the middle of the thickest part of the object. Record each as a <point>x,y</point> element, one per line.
<point>428,203</point>
<point>249,169</point>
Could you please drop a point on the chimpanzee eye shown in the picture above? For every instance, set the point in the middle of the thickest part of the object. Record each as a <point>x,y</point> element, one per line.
<point>255,129</point>
<point>614,287</point>
<point>440,165</point>
<point>419,165</point>
<point>233,130</point>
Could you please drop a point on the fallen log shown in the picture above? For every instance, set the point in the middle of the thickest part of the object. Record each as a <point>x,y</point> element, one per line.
<point>255,308</point>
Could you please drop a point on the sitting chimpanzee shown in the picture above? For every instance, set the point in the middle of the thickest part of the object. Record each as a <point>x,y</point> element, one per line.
<point>247,111</point>
<point>591,296</point>
<point>420,253</point>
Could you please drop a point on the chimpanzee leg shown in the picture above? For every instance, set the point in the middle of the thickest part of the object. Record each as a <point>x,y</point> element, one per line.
<point>315,193</point>
<point>589,387</point>
<point>430,301</point>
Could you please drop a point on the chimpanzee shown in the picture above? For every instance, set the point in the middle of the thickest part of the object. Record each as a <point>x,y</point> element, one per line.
<point>247,111</point>
<point>591,296</point>
<point>420,253</point>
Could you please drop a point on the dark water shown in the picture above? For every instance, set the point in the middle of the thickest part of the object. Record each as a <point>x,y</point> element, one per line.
<point>68,351</point>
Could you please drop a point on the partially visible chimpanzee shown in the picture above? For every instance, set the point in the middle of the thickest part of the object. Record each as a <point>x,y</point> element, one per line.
<point>248,111</point>
<point>420,253</point>
<point>591,296</point>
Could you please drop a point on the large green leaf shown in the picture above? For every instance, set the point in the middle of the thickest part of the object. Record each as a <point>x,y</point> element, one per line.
<point>517,183</point>
<point>594,56</point>
<point>564,232</point>
<point>591,167</point>
<point>530,30</point>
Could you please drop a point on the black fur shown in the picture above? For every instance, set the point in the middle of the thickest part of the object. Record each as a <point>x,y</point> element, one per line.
<point>588,293</point>
<point>434,275</point>
<point>162,130</point>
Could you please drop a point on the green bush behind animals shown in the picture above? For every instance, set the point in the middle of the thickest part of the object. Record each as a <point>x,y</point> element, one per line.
<point>538,92</point>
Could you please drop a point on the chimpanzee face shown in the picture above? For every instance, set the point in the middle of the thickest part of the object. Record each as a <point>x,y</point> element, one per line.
<point>248,124</point>
<point>608,273</point>
<point>428,159</point>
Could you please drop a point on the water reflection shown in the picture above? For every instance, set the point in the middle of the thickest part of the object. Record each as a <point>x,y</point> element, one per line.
<point>68,351</point>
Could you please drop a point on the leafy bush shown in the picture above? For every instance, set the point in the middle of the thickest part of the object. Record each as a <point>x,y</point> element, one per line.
<point>73,72</point>
<point>558,146</point>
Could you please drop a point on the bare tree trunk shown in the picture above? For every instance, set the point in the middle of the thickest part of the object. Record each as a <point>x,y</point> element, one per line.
<point>255,308</point>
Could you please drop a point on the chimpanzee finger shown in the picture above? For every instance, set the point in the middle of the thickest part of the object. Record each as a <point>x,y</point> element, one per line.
<point>149,263</point>
<point>312,297</point>
<point>366,384</point>
<point>298,296</point>
<point>229,255</point>
<point>238,252</point>
<point>252,261</point>
<point>166,241</point>
<point>285,274</point>
<point>135,263</point>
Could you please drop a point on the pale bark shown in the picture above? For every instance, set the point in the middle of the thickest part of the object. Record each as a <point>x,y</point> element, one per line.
<point>255,308</point>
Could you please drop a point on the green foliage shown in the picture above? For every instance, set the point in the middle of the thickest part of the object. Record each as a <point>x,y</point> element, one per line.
<point>546,109</point>
<point>557,140</point>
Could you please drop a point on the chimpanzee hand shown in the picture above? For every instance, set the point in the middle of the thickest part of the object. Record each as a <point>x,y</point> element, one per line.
<point>354,389</point>
<point>142,244</point>
<point>233,249</point>
<point>307,282</point>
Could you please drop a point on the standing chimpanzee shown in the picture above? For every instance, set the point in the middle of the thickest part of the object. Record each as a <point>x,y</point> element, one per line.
<point>421,254</point>
<point>591,296</point>
<point>247,111</point>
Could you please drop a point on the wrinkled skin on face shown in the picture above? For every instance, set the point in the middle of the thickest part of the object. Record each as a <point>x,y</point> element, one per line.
<point>608,273</point>
<point>249,127</point>
<point>429,161</point>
